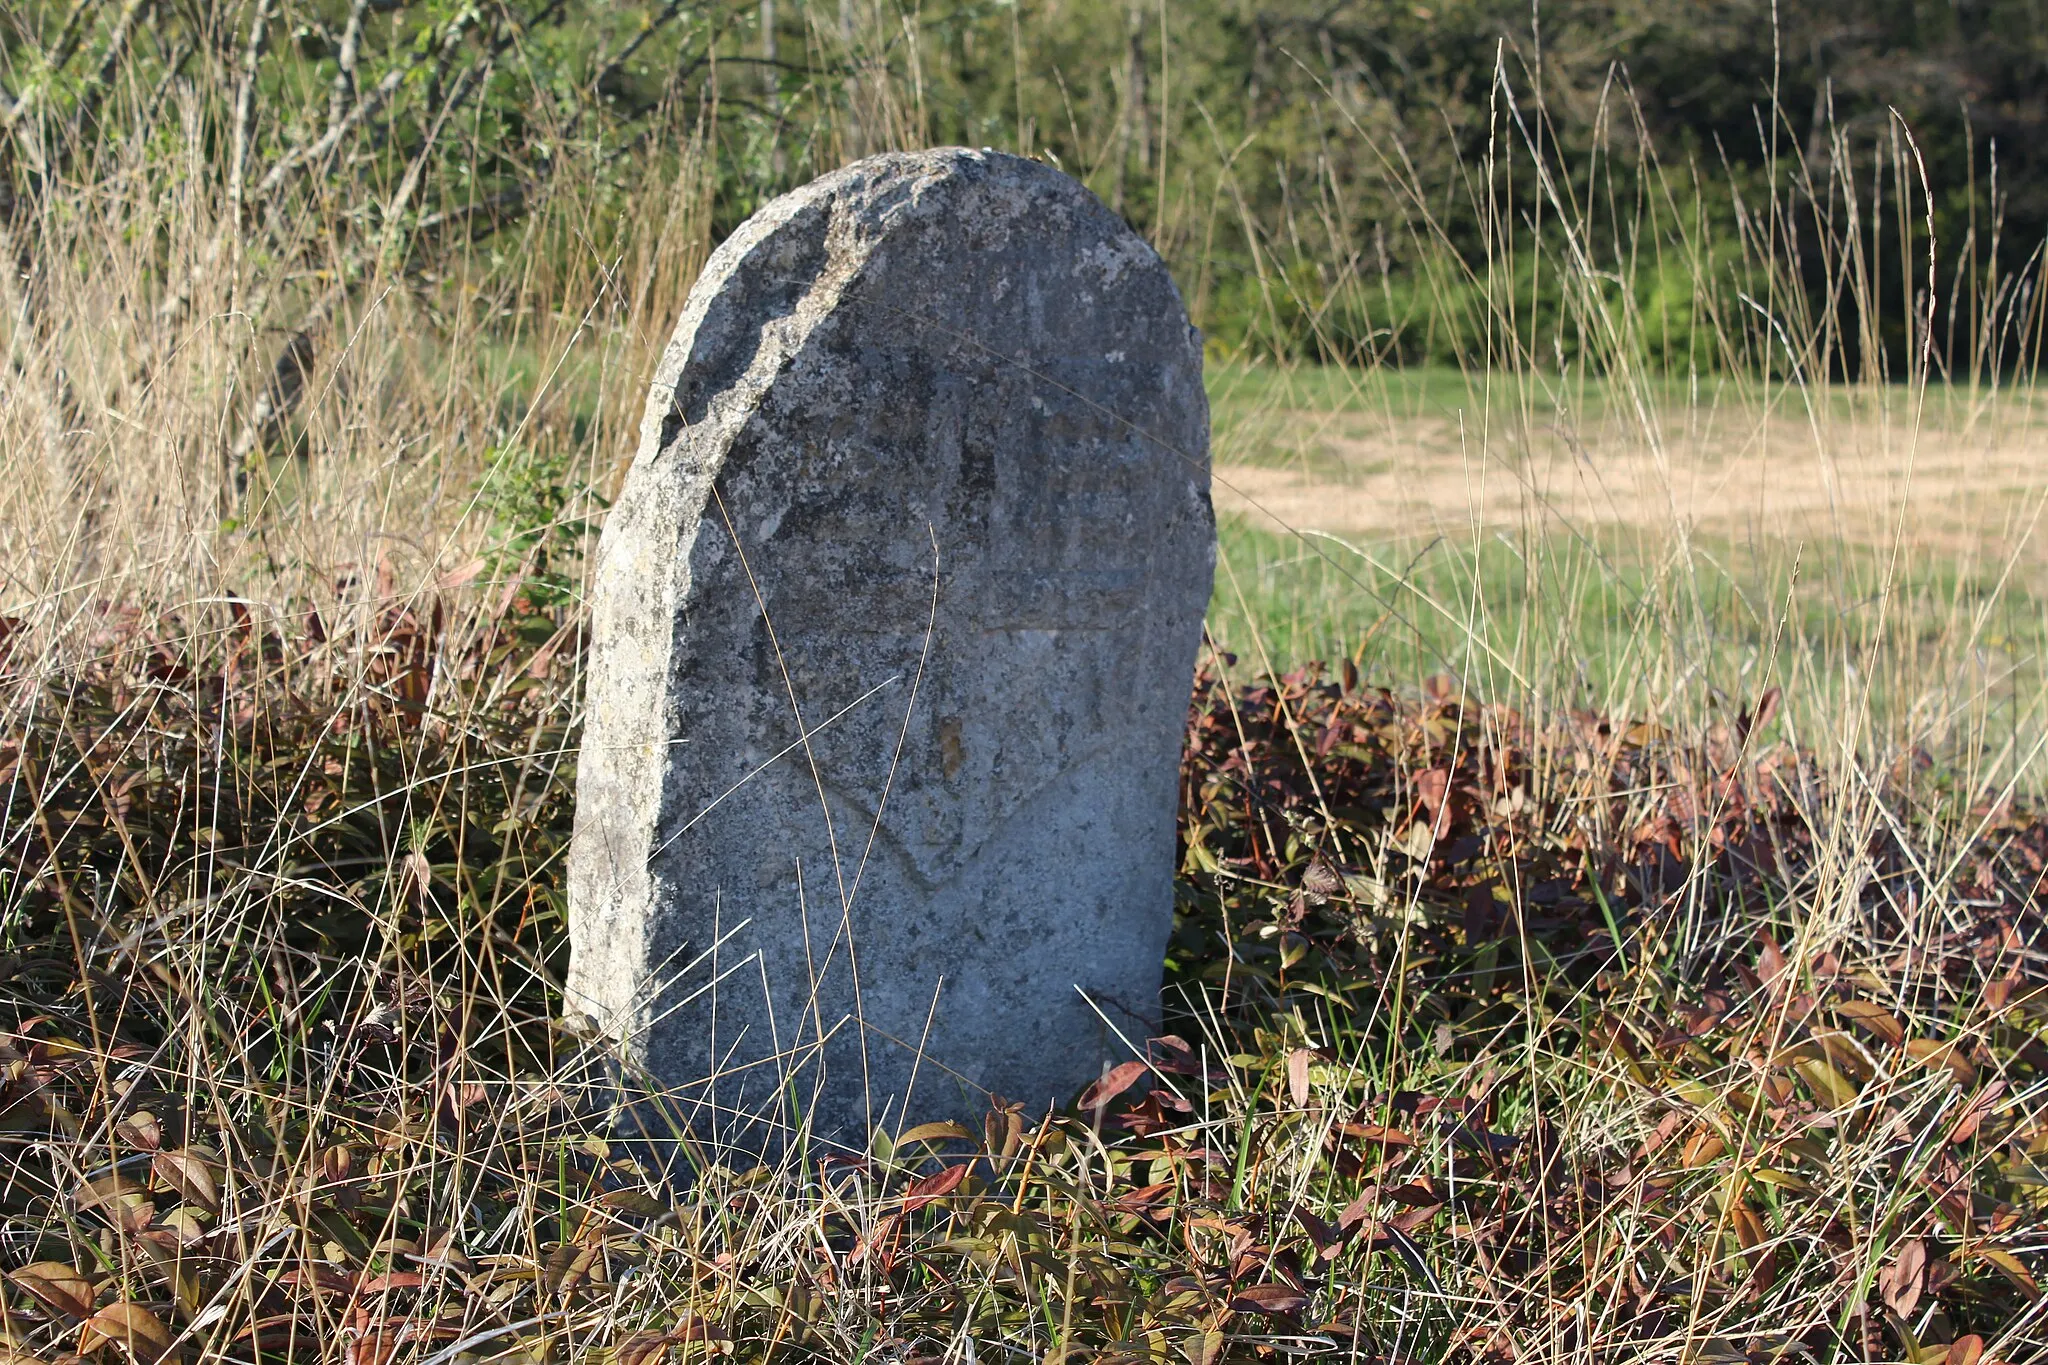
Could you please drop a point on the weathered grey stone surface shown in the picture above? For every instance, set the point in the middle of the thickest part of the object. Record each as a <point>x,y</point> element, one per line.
<point>894,627</point>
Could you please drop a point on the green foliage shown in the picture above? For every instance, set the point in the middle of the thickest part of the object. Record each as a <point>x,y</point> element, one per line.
<point>1486,1034</point>
<point>542,512</point>
<point>1329,182</point>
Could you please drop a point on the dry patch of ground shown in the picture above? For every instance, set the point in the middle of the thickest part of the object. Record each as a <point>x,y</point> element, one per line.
<point>1969,485</point>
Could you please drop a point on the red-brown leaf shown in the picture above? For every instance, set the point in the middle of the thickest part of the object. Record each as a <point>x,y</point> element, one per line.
<point>58,1286</point>
<point>1269,1298</point>
<point>1114,1083</point>
<point>1297,1076</point>
<point>1327,1240</point>
<point>319,1279</point>
<point>391,1279</point>
<point>130,1326</point>
<point>1770,963</point>
<point>1900,1283</point>
<point>1975,1112</point>
<point>1414,1218</point>
<point>190,1175</point>
<point>937,1185</point>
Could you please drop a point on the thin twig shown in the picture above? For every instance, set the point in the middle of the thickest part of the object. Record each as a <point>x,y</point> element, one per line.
<point>245,117</point>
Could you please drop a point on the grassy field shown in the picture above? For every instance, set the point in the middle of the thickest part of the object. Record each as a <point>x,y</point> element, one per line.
<point>1652,549</point>
<point>1596,956</point>
<point>1609,920</point>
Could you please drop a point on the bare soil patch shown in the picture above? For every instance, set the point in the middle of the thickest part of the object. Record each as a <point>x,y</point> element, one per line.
<point>1971,486</point>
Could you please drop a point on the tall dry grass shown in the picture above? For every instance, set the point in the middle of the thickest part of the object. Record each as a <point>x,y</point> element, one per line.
<point>1640,976</point>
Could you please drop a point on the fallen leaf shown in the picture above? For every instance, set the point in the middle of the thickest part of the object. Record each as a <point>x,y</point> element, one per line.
<point>568,1266</point>
<point>1964,1350</point>
<point>1203,1347</point>
<point>130,1326</point>
<point>1874,1017</point>
<point>1975,1112</point>
<point>1930,1052</point>
<point>277,1325</point>
<point>1113,1083</point>
<point>58,1286</point>
<point>190,1175</point>
<point>122,1202</point>
<point>1141,1200</point>
<point>1328,1241</point>
<point>140,1129</point>
<point>1704,1146</point>
<point>455,578</point>
<point>2008,1265</point>
<point>1749,1229</point>
<point>318,1278</point>
<point>639,1203</point>
<point>1998,994</point>
<point>1297,1076</point>
<point>642,1348</point>
<point>1359,1209</point>
<point>1900,1284</point>
<point>943,1131</point>
<point>1770,963</point>
<point>1667,1128</point>
<point>694,1328</point>
<point>1414,1218</point>
<point>391,1279</point>
<point>1269,1298</point>
<point>1372,1132</point>
<point>1747,724</point>
<point>1829,1086</point>
<point>372,1347</point>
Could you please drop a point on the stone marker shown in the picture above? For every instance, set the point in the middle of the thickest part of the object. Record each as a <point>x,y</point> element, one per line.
<point>894,625</point>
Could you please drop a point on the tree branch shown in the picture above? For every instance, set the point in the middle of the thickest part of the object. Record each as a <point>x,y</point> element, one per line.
<point>612,67</point>
<point>245,114</point>
<point>472,77</point>
<point>13,107</point>
<point>68,38</point>
<point>180,54</point>
<point>343,92</point>
<point>285,389</point>
<point>87,113</point>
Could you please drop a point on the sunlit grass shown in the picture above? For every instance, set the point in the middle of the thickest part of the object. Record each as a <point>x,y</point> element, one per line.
<point>1626,945</point>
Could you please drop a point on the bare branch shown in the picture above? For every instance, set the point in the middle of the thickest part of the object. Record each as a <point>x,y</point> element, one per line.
<point>245,113</point>
<point>315,152</point>
<point>87,113</point>
<point>394,209</point>
<point>13,107</point>
<point>173,69</point>
<point>616,64</point>
<point>495,210</point>
<point>67,40</point>
<point>471,79</point>
<point>286,389</point>
<point>343,92</point>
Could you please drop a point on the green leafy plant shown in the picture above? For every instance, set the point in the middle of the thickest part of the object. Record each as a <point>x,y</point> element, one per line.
<point>542,516</point>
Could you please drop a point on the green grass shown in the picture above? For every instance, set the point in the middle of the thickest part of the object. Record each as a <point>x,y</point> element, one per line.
<point>1469,1015</point>
<point>1618,623</point>
<point>1629,946</point>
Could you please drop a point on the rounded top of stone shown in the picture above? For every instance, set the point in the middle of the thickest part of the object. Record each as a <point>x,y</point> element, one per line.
<point>995,194</point>
<point>875,196</point>
<point>971,162</point>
